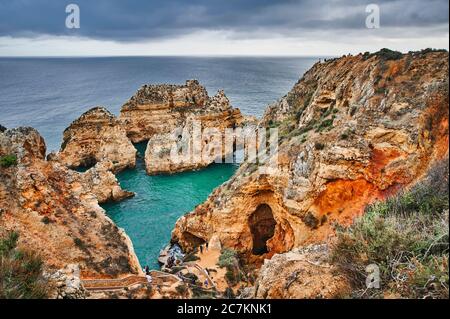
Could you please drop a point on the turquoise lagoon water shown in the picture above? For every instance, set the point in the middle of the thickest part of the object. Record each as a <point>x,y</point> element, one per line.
<point>150,216</point>
<point>49,93</point>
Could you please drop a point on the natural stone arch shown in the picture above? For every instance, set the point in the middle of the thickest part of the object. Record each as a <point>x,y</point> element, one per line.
<point>262,227</point>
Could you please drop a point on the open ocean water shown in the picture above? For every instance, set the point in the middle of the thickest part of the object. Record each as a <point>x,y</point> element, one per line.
<point>49,93</point>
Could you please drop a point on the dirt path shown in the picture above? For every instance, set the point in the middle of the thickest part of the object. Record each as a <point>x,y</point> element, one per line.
<point>208,260</point>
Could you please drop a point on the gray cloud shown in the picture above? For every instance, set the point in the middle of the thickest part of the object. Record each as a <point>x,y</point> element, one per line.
<point>135,20</point>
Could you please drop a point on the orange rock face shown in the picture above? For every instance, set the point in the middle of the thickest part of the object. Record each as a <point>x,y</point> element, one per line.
<point>352,131</point>
<point>56,211</point>
<point>95,137</point>
<point>165,116</point>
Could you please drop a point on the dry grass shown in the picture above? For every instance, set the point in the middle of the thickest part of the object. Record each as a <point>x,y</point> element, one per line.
<point>20,272</point>
<point>407,237</point>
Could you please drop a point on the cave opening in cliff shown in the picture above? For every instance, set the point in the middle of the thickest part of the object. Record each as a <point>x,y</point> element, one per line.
<point>195,241</point>
<point>262,226</point>
<point>85,164</point>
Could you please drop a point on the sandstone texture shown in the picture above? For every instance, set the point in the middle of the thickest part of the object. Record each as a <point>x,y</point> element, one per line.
<point>67,283</point>
<point>302,273</point>
<point>97,136</point>
<point>353,130</point>
<point>101,182</point>
<point>158,109</point>
<point>170,117</point>
<point>56,211</point>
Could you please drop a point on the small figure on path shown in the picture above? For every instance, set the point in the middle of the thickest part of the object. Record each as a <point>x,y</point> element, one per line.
<point>149,278</point>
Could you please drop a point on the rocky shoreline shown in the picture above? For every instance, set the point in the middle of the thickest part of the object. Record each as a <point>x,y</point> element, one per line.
<point>352,131</point>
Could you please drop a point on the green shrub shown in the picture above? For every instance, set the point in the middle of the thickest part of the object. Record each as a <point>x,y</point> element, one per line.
<point>192,277</point>
<point>79,243</point>
<point>46,220</point>
<point>182,289</point>
<point>229,293</point>
<point>406,236</point>
<point>304,138</point>
<point>21,271</point>
<point>191,257</point>
<point>228,258</point>
<point>386,54</point>
<point>8,160</point>
<point>233,277</point>
<point>325,124</point>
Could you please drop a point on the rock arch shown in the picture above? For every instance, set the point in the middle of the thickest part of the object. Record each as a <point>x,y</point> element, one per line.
<point>262,227</point>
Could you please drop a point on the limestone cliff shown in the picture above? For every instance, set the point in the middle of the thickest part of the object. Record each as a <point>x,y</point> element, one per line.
<point>165,115</point>
<point>197,140</point>
<point>94,137</point>
<point>351,131</point>
<point>56,210</point>
<point>158,109</point>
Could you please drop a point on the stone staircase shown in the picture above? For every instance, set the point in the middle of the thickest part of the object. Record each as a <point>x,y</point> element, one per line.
<point>158,278</point>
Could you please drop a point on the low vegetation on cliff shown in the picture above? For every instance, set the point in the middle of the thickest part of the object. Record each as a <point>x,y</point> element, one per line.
<point>8,160</point>
<point>21,271</point>
<point>407,237</point>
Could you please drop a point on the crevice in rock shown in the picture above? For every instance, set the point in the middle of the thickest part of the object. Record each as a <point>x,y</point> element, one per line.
<point>262,227</point>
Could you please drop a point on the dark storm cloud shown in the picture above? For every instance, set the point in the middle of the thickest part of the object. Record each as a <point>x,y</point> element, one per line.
<point>131,20</point>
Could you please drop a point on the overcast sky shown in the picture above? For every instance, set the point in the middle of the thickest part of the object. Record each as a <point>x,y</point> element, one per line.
<point>219,27</point>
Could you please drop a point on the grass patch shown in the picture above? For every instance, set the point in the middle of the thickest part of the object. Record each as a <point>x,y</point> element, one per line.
<point>229,259</point>
<point>8,160</point>
<point>407,237</point>
<point>328,123</point>
<point>21,271</point>
<point>385,54</point>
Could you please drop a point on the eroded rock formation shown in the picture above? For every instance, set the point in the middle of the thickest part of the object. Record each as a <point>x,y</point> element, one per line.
<point>158,109</point>
<point>302,273</point>
<point>101,182</point>
<point>56,211</point>
<point>94,137</point>
<point>351,131</point>
<point>197,140</point>
<point>167,116</point>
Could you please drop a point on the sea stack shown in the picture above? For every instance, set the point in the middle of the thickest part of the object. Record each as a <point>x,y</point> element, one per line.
<point>166,115</point>
<point>97,136</point>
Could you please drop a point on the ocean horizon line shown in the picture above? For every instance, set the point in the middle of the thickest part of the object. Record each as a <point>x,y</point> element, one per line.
<point>161,56</point>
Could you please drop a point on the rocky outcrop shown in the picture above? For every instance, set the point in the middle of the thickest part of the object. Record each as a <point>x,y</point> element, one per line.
<point>353,130</point>
<point>197,140</point>
<point>303,273</point>
<point>56,211</point>
<point>95,137</point>
<point>158,109</point>
<point>170,117</point>
<point>101,182</point>
<point>2,128</point>
<point>67,283</point>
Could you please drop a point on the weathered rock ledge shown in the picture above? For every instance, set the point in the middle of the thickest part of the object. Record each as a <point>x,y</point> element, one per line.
<point>196,141</point>
<point>166,116</point>
<point>56,211</point>
<point>97,136</point>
